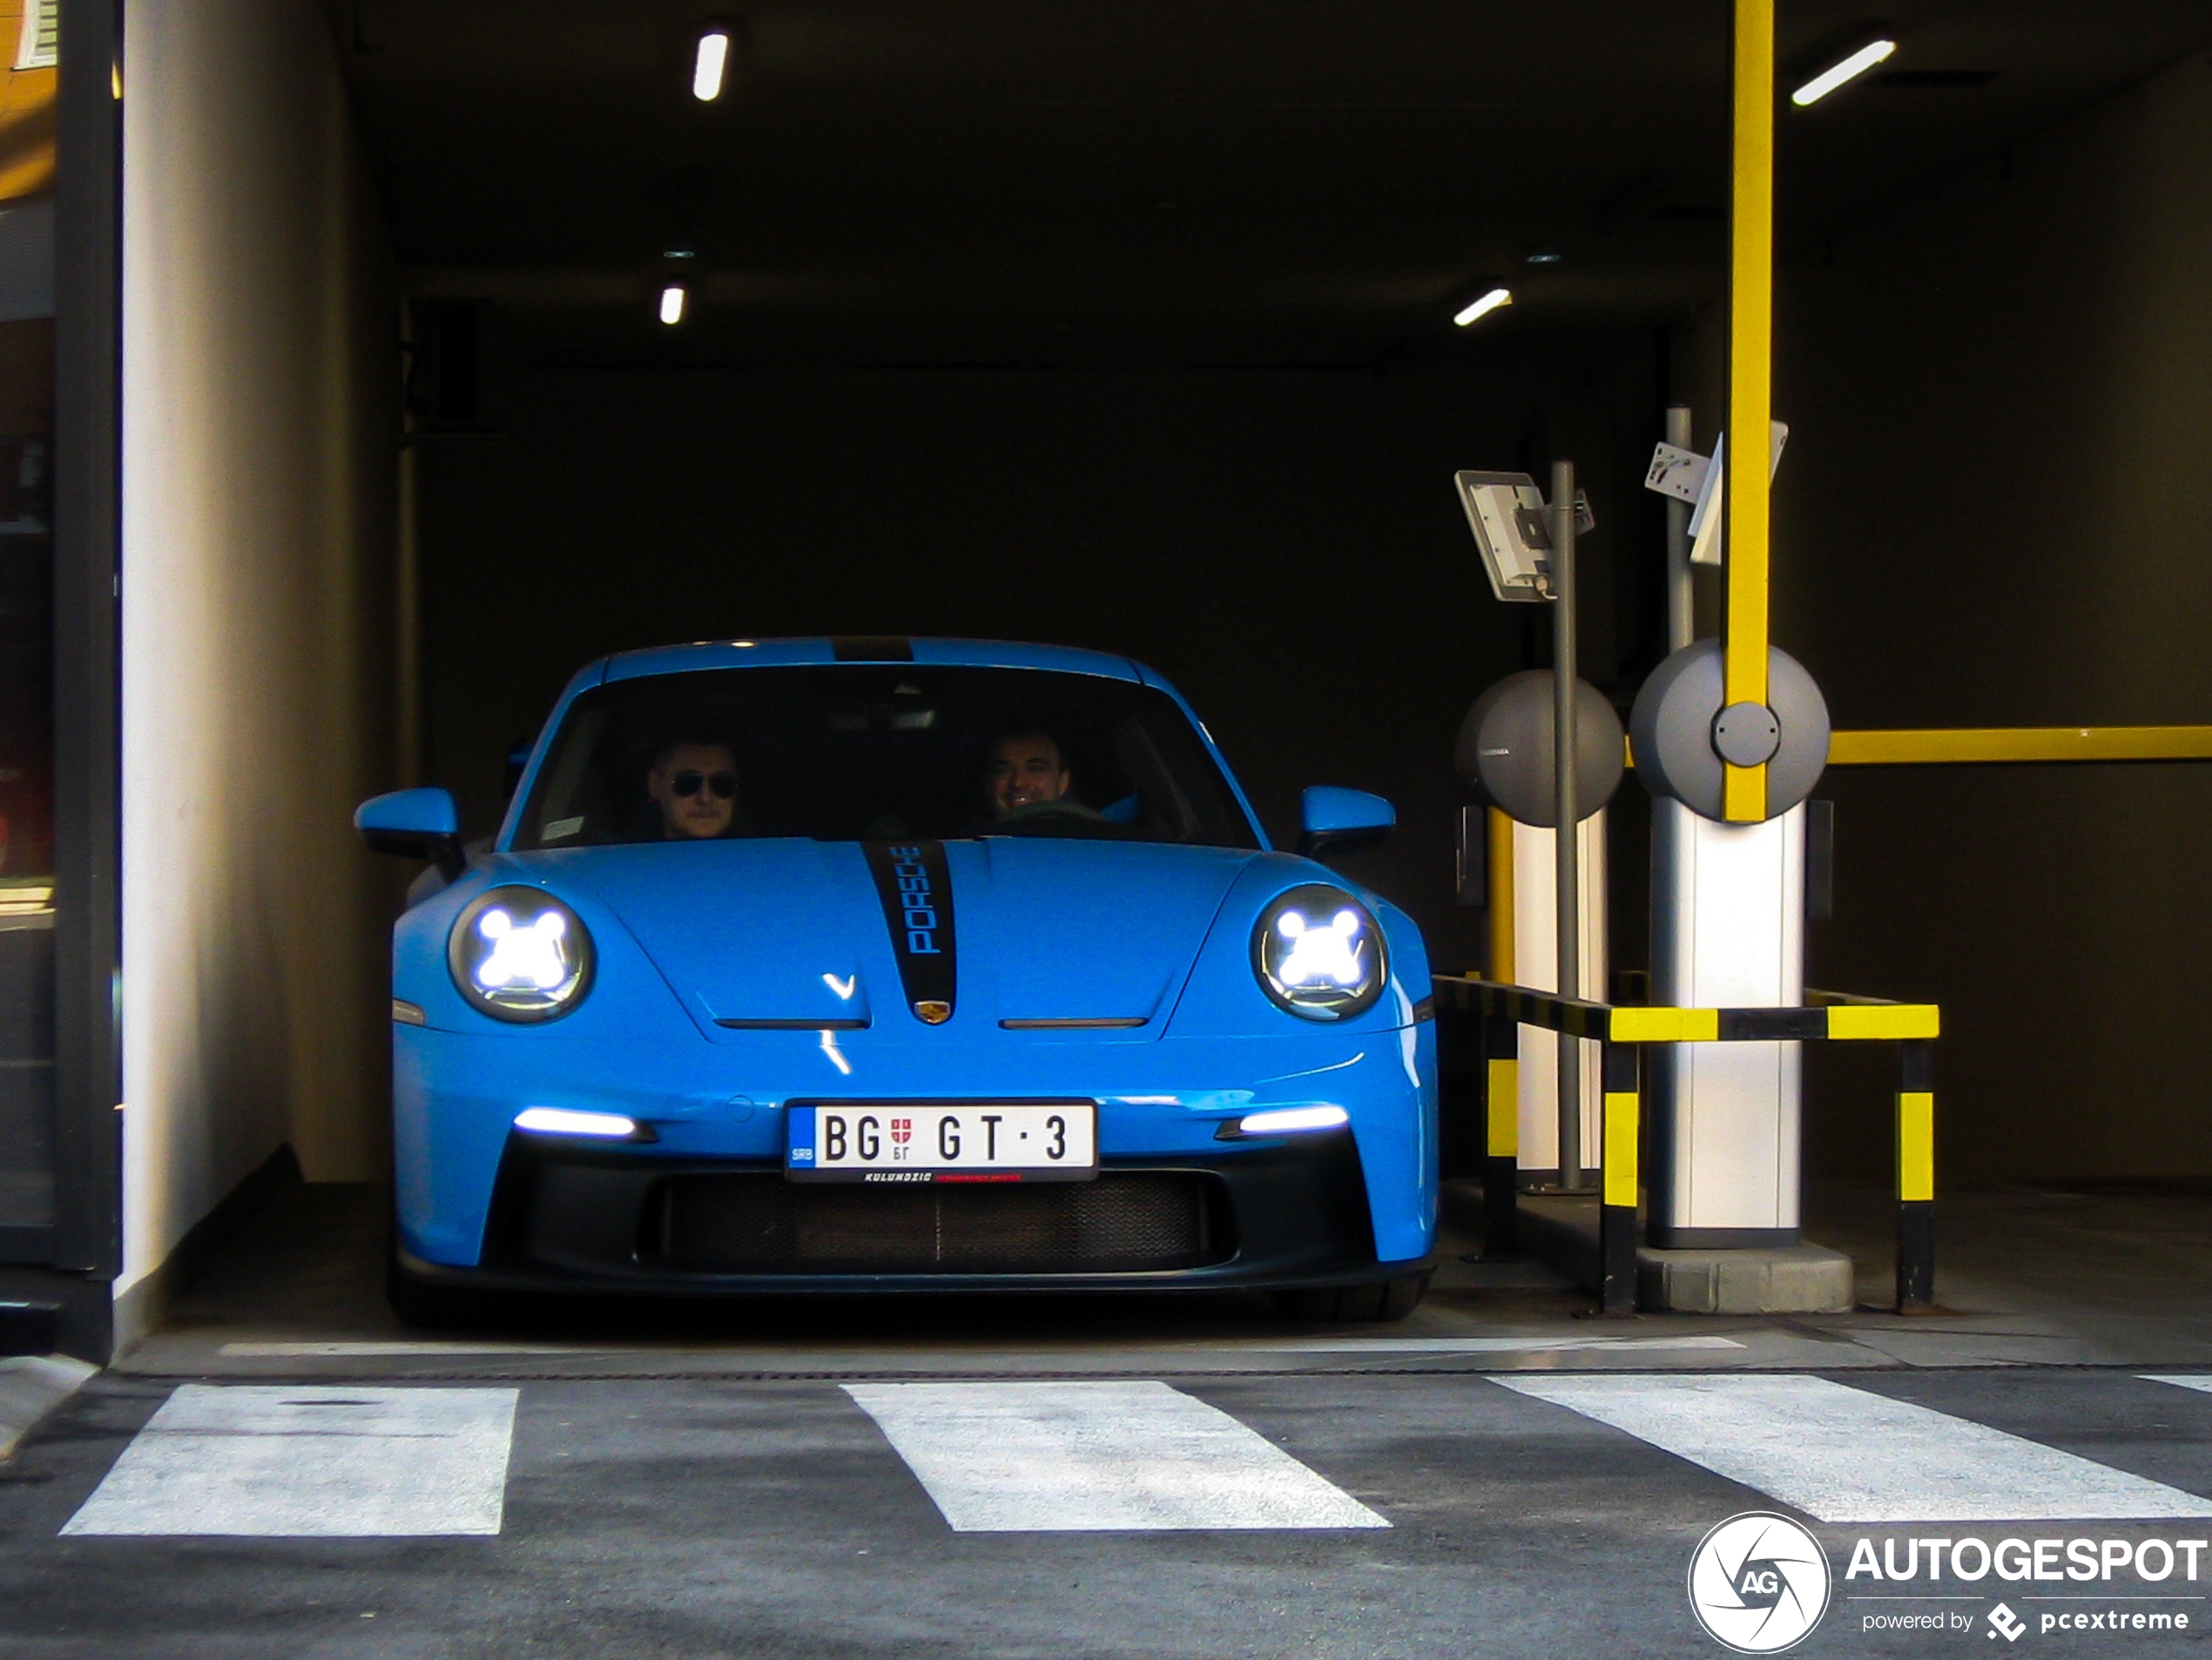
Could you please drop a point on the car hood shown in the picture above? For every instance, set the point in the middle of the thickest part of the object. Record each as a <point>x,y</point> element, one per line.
<point>1059,933</point>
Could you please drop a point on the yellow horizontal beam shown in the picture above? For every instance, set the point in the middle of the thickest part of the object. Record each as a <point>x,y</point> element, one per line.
<point>1971,743</point>
<point>1847,1021</point>
<point>1665,1025</point>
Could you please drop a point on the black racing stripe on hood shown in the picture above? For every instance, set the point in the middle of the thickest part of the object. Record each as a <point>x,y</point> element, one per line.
<point>915,885</point>
<point>872,648</point>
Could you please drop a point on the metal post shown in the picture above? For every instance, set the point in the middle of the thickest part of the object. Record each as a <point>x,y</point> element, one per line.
<point>1915,1176</point>
<point>1682,605</point>
<point>1616,1216</point>
<point>1501,1160</point>
<point>1567,866</point>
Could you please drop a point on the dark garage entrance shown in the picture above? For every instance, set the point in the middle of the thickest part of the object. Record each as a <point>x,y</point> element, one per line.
<point>1122,330</point>
<point>1129,329</point>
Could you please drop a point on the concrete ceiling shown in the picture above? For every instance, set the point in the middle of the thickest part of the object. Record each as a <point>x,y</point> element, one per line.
<point>1067,182</point>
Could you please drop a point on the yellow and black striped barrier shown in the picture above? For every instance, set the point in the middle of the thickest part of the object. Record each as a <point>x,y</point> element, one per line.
<point>1494,1013</point>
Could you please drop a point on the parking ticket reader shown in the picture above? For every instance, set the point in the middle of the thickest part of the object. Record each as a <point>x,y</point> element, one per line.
<point>1728,904</point>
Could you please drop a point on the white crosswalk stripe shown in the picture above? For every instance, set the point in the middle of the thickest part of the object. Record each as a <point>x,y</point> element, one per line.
<point>1068,1455</point>
<point>1845,1455</point>
<point>311,1462</point>
<point>1490,1344</point>
<point>1097,1457</point>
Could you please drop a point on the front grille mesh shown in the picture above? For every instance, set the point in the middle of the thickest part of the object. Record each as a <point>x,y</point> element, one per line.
<point>1124,1221</point>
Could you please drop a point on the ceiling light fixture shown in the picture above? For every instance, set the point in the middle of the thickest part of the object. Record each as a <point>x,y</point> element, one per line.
<point>1857,63</point>
<point>1476,309</point>
<point>672,304</point>
<point>712,67</point>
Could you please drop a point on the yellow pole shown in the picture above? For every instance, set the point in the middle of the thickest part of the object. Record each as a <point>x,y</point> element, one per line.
<point>1501,965</point>
<point>1751,348</point>
<point>1502,1135</point>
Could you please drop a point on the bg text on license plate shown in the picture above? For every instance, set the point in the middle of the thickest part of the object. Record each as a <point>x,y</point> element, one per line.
<point>950,1143</point>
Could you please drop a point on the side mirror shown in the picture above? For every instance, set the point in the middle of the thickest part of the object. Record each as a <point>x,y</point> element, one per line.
<point>1332,820</point>
<point>415,824</point>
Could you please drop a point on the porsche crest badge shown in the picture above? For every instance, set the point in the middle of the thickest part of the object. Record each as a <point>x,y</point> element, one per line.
<point>930,1012</point>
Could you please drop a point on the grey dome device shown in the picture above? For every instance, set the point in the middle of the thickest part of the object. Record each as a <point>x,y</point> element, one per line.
<point>1682,735</point>
<point>1505,748</point>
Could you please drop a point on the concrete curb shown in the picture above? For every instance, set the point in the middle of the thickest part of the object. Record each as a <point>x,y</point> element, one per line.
<point>31,1387</point>
<point>1774,1279</point>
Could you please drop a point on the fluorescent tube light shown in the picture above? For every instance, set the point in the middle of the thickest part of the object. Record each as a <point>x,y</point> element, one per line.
<point>672,304</point>
<point>1829,79</point>
<point>712,67</point>
<point>1483,307</point>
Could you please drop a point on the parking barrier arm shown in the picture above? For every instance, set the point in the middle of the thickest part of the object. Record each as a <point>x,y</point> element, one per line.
<point>1500,1011</point>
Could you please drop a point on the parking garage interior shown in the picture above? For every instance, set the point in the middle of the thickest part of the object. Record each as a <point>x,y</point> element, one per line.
<point>1132,330</point>
<point>1128,329</point>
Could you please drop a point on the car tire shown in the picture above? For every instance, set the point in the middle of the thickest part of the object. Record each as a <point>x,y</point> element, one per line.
<point>437,1308</point>
<point>1378,1299</point>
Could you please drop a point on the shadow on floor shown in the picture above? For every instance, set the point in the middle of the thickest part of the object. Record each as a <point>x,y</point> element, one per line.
<point>2104,1273</point>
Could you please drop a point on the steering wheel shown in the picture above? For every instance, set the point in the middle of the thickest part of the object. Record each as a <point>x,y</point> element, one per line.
<point>1042,813</point>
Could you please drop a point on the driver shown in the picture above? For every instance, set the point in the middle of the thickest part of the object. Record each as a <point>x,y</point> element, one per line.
<point>695,786</point>
<point>1026,769</point>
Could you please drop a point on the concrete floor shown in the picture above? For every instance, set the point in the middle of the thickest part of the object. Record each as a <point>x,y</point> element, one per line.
<point>710,1482</point>
<point>707,1517</point>
<point>2026,1276</point>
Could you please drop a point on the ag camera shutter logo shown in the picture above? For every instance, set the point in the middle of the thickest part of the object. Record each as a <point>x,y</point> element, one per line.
<point>1759,1583</point>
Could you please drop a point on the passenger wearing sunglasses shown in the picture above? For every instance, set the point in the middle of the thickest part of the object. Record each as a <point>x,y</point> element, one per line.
<point>695,785</point>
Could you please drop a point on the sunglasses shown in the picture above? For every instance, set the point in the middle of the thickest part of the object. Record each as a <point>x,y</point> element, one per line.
<point>687,783</point>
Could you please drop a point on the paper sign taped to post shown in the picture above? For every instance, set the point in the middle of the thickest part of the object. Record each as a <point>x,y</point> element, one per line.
<point>1678,473</point>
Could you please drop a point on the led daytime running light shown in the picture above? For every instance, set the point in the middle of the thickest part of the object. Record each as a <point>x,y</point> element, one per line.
<point>1283,1120</point>
<point>564,1121</point>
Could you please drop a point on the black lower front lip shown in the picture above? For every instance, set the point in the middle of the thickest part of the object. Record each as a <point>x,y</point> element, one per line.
<point>586,1219</point>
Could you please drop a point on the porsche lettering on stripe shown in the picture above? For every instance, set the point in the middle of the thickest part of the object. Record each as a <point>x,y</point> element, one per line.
<point>916,888</point>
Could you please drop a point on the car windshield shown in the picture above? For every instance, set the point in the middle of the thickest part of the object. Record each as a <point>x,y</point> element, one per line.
<point>865,751</point>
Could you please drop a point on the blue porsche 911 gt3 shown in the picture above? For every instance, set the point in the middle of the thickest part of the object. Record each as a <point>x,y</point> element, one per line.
<point>866,963</point>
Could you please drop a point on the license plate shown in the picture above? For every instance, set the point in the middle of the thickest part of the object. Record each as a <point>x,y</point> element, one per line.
<point>900,1142</point>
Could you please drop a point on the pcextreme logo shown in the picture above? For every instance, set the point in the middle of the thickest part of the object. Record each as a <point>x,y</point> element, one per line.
<point>1759,1583</point>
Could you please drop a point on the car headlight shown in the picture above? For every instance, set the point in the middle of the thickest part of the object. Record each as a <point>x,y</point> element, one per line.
<point>519,953</point>
<point>1318,953</point>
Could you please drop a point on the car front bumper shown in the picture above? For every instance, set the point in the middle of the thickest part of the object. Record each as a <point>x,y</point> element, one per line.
<point>581,1219</point>
<point>475,1195</point>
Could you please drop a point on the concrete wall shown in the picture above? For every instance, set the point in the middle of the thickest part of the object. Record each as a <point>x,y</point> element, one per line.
<point>260,384</point>
<point>1997,510</point>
